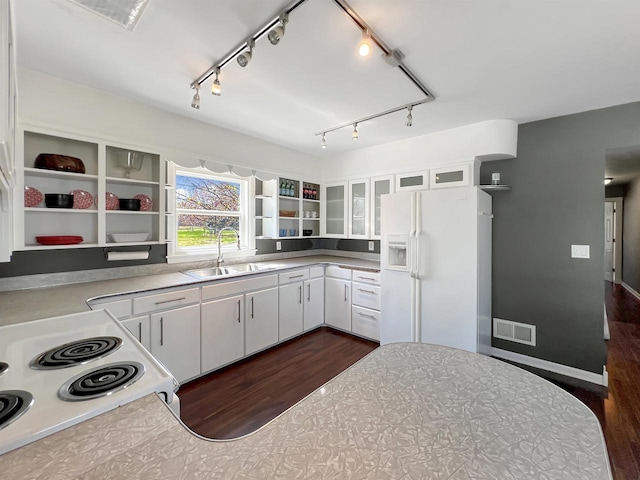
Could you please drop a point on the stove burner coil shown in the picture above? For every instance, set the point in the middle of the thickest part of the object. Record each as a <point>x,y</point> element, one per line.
<point>101,381</point>
<point>13,404</point>
<point>4,366</point>
<point>76,353</point>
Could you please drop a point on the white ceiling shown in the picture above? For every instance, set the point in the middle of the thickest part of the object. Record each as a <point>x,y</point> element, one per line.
<point>516,59</point>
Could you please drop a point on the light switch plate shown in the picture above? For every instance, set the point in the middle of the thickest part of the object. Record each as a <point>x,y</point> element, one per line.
<point>278,245</point>
<point>580,251</point>
<point>371,247</point>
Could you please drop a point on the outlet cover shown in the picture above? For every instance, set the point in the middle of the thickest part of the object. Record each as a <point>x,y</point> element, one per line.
<point>580,251</point>
<point>371,247</point>
<point>278,245</point>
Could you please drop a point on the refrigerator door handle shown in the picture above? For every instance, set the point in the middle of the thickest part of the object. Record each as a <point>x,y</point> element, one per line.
<point>418,221</point>
<point>412,237</point>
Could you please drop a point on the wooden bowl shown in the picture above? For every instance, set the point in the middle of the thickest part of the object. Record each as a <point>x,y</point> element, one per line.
<point>52,161</point>
<point>287,213</point>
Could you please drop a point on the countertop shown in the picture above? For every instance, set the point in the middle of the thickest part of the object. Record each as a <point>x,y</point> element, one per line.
<point>33,304</point>
<point>406,411</point>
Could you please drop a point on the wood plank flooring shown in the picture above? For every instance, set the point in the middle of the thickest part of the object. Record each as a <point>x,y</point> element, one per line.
<point>244,396</point>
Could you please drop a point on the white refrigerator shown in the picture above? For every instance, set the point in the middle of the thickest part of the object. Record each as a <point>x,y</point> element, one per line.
<point>436,268</point>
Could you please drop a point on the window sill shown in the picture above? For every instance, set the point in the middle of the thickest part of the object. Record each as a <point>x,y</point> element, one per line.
<point>201,256</point>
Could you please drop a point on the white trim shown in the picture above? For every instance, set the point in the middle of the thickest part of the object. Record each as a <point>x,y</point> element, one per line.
<point>553,367</point>
<point>631,290</point>
<point>607,334</point>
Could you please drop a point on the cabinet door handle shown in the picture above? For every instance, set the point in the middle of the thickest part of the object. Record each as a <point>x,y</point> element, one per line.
<point>161,331</point>
<point>300,294</point>
<point>140,332</point>
<point>345,292</point>
<point>296,276</point>
<point>169,301</point>
<point>367,291</point>
<point>238,311</point>
<point>309,292</point>
<point>251,307</point>
<point>368,278</point>
<point>367,316</point>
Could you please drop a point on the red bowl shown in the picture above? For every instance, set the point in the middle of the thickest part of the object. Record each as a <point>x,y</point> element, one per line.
<point>59,240</point>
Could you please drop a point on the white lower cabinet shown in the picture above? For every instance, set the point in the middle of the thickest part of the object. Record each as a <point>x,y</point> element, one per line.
<point>313,291</point>
<point>140,327</point>
<point>175,341</point>
<point>261,320</point>
<point>290,310</point>
<point>222,332</point>
<point>337,305</point>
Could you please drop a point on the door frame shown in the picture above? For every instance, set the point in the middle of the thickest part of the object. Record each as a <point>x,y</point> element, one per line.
<point>617,232</point>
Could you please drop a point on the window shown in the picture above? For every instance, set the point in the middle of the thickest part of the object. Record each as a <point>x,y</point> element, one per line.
<point>206,205</point>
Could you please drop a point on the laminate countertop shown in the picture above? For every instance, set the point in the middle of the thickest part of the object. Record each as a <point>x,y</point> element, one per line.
<point>406,411</point>
<point>33,304</point>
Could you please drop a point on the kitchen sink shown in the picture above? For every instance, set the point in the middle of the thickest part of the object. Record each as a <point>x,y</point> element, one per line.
<point>252,267</point>
<point>209,272</point>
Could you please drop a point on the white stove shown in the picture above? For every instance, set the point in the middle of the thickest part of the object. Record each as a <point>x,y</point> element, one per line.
<point>57,372</point>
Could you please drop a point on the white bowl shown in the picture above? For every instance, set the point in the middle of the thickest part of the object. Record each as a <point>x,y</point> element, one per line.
<point>130,237</point>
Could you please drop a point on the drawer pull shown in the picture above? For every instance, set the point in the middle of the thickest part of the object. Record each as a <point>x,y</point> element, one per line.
<point>238,311</point>
<point>140,332</point>
<point>346,290</point>
<point>308,292</point>
<point>161,331</point>
<point>169,301</point>
<point>367,291</point>
<point>296,276</point>
<point>369,278</point>
<point>251,307</point>
<point>300,292</point>
<point>367,316</point>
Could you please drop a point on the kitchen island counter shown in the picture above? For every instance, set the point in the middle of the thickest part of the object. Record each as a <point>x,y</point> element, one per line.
<point>33,304</point>
<point>406,411</point>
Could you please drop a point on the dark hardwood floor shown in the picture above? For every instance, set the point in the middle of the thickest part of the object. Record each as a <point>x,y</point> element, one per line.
<point>619,411</point>
<point>244,396</point>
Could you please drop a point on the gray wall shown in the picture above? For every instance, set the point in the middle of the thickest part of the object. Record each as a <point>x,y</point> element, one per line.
<point>557,200</point>
<point>631,236</point>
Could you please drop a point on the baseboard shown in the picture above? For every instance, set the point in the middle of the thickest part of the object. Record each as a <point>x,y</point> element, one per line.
<point>607,334</point>
<point>631,290</point>
<point>558,368</point>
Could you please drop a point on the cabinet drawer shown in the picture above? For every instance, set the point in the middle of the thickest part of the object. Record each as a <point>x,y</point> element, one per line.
<point>293,276</point>
<point>366,277</point>
<point>226,289</point>
<point>119,308</point>
<point>365,296</point>
<point>365,322</point>
<point>338,272</point>
<point>162,301</point>
<point>315,272</point>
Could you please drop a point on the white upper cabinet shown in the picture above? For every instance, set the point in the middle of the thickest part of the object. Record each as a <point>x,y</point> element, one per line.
<point>359,208</point>
<point>112,173</point>
<point>379,186</point>
<point>336,210</point>
<point>451,176</point>
<point>412,181</point>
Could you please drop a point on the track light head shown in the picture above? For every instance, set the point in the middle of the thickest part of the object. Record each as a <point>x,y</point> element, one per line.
<point>276,33</point>
<point>365,44</point>
<point>323,142</point>
<point>354,135</point>
<point>195,103</point>
<point>409,121</point>
<point>216,88</point>
<point>245,57</point>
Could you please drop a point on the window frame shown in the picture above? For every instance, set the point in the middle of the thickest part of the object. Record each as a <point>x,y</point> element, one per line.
<point>177,254</point>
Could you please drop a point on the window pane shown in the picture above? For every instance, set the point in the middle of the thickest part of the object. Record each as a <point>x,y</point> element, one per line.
<point>196,193</point>
<point>202,230</point>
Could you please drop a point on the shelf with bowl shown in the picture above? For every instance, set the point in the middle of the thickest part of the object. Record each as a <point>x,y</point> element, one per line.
<point>73,211</point>
<point>37,246</point>
<point>130,181</point>
<point>81,177</point>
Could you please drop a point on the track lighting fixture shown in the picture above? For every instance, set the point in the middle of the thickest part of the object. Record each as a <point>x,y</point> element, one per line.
<point>323,142</point>
<point>245,57</point>
<point>216,89</point>
<point>409,121</point>
<point>354,135</point>
<point>277,33</point>
<point>195,103</point>
<point>365,44</point>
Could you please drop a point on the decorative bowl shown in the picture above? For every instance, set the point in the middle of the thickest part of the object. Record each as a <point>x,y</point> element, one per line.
<point>58,200</point>
<point>65,163</point>
<point>32,197</point>
<point>146,205</point>
<point>132,204</point>
<point>59,240</point>
<point>287,213</point>
<point>82,199</point>
<point>130,237</point>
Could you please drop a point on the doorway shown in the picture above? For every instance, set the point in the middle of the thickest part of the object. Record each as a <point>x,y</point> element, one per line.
<point>613,215</point>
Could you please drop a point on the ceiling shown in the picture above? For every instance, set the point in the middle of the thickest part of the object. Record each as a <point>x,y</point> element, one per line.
<point>522,60</point>
<point>622,164</point>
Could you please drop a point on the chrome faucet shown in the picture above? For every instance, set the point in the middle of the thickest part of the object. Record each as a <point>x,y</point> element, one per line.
<point>220,260</point>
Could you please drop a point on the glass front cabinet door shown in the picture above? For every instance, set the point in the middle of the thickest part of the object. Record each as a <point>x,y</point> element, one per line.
<point>335,218</point>
<point>359,208</point>
<point>379,186</point>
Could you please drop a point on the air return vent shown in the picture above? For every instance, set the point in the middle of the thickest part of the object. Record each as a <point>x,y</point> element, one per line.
<point>125,13</point>
<point>514,331</point>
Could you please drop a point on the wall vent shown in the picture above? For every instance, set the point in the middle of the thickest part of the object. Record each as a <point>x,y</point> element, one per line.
<point>514,331</point>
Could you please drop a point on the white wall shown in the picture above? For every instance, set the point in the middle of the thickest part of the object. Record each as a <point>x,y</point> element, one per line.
<point>67,106</point>
<point>490,140</point>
